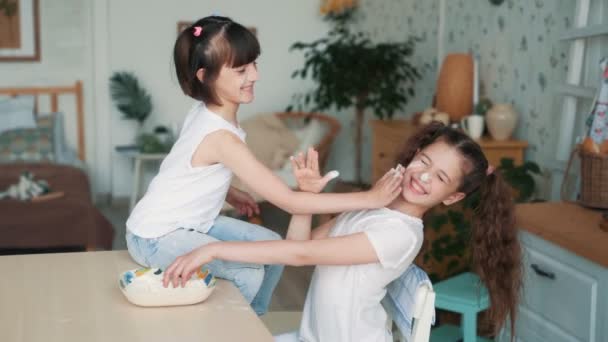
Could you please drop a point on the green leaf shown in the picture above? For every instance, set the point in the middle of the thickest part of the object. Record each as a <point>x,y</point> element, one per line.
<point>532,167</point>
<point>129,97</point>
<point>452,265</point>
<point>506,163</point>
<point>436,222</point>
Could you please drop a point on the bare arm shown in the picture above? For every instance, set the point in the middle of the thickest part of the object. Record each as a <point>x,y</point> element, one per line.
<point>229,150</point>
<point>322,231</point>
<point>308,177</point>
<point>299,227</point>
<point>352,249</point>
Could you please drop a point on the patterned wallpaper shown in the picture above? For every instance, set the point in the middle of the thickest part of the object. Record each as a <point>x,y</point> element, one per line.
<point>521,57</point>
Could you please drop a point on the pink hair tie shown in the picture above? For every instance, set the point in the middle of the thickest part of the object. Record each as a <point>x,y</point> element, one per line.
<point>197,31</point>
<point>490,170</point>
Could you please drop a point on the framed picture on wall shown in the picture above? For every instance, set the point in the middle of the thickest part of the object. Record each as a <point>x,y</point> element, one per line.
<point>182,25</point>
<point>19,30</point>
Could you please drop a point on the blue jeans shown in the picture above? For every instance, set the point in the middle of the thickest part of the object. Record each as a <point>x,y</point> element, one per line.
<point>256,282</point>
<point>292,336</point>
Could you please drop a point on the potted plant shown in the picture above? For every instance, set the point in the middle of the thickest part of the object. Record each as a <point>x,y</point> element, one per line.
<point>150,143</point>
<point>352,71</point>
<point>163,134</point>
<point>131,99</point>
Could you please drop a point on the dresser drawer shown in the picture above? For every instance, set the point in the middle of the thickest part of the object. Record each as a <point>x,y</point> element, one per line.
<point>533,328</point>
<point>384,154</point>
<point>560,294</point>
<point>388,140</point>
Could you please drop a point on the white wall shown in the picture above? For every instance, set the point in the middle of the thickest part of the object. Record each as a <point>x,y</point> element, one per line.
<point>141,36</point>
<point>88,40</point>
<point>66,56</point>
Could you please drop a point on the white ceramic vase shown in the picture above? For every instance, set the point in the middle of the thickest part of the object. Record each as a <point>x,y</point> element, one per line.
<point>501,120</point>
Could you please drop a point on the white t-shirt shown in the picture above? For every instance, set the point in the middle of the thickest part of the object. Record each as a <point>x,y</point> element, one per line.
<point>180,195</point>
<point>343,302</point>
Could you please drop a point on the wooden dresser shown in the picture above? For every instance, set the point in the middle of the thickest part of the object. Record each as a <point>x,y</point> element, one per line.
<point>387,146</point>
<point>565,288</point>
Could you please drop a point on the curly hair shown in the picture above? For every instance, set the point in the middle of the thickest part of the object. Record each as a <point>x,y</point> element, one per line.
<point>495,246</point>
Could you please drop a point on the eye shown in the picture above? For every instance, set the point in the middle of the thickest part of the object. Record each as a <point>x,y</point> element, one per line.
<point>441,179</point>
<point>424,161</point>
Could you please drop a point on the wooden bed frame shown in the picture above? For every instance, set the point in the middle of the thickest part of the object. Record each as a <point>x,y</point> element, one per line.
<point>54,93</point>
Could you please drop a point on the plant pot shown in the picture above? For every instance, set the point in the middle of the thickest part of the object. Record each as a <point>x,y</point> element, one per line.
<point>455,86</point>
<point>501,120</point>
<point>163,138</point>
<point>388,138</point>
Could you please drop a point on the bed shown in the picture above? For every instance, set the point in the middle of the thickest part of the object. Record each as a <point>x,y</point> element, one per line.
<point>70,222</point>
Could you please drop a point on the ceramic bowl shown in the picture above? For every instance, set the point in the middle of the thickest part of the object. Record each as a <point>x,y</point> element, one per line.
<point>144,287</point>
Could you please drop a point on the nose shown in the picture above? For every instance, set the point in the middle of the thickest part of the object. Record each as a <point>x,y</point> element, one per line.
<point>253,73</point>
<point>425,177</point>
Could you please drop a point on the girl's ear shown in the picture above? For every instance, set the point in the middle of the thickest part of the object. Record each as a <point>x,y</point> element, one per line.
<point>200,74</point>
<point>453,198</point>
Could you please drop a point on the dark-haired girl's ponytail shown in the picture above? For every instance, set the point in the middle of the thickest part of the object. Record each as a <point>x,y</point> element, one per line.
<point>181,59</point>
<point>496,249</point>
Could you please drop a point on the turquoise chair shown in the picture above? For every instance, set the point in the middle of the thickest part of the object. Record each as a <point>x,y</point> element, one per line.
<point>463,294</point>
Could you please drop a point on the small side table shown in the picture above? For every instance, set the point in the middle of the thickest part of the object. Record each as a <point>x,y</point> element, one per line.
<point>463,294</point>
<point>138,159</point>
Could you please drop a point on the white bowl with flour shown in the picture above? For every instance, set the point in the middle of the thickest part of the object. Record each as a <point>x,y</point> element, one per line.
<point>144,287</point>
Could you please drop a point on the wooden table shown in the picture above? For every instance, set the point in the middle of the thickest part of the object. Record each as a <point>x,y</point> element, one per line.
<point>75,297</point>
<point>568,225</point>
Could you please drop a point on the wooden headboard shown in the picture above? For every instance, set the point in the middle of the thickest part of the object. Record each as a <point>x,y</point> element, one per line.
<point>53,93</point>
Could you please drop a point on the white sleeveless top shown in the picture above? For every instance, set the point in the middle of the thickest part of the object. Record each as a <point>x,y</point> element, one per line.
<point>180,195</point>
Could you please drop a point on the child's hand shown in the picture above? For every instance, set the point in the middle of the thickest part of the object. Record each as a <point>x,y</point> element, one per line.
<point>242,202</point>
<point>182,269</point>
<point>387,188</point>
<point>306,171</point>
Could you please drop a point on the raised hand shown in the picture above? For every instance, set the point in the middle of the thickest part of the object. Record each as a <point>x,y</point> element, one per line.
<point>388,187</point>
<point>306,171</point>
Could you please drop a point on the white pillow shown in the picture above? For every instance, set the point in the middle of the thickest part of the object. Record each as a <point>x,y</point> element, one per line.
<point>309,136</point>
<point>17,112</point>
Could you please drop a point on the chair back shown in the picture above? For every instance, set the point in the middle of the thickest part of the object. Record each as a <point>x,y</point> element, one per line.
<point>410,306</point>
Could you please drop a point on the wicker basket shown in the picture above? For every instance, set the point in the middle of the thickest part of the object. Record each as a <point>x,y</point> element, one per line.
<point>594,178</point>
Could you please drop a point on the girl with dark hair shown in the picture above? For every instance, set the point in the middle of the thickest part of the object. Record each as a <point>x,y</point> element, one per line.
<point>359,253</point>
<point>215,63</point>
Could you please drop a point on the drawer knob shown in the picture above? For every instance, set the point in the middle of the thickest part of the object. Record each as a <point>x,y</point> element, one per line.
<point>542,272</point>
